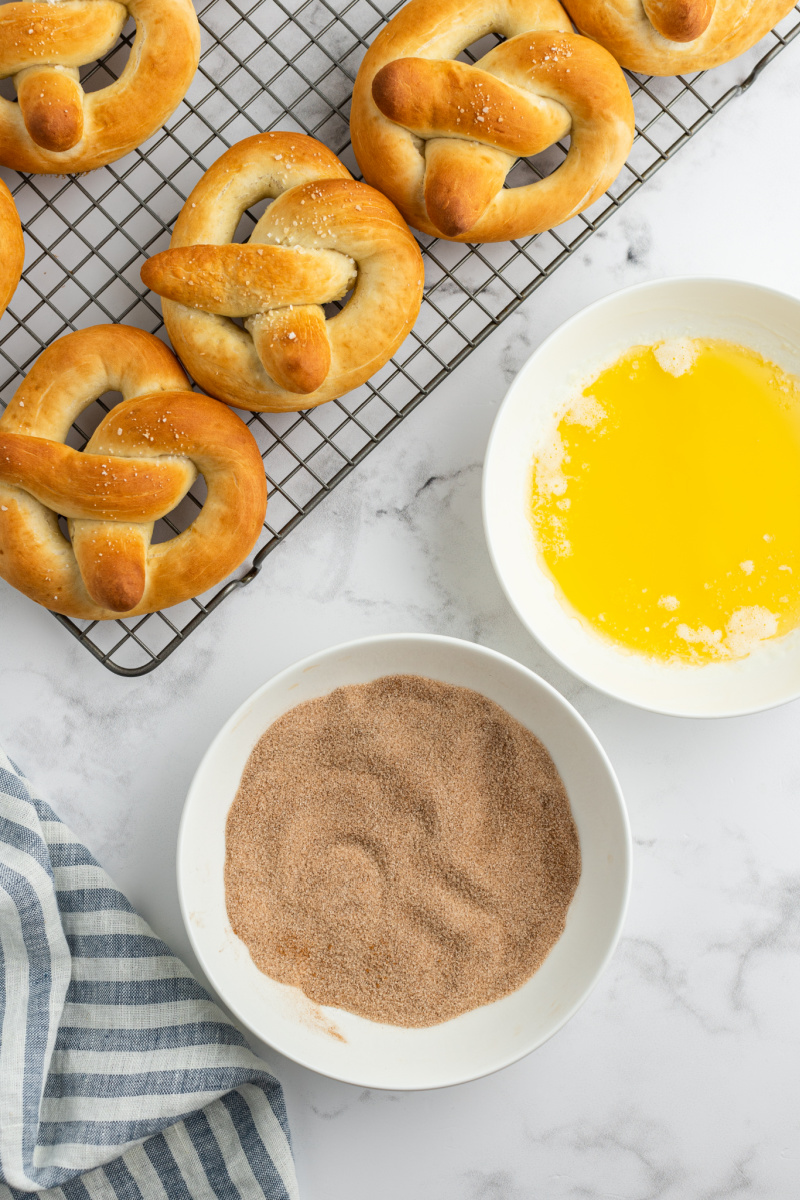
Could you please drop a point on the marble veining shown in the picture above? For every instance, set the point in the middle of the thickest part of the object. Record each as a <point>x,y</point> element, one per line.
<point>678,1079</point>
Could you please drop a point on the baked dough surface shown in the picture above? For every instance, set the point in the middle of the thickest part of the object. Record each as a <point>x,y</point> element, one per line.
<point>136,468</point>
<point>323,234</point>
<point>439,136</point>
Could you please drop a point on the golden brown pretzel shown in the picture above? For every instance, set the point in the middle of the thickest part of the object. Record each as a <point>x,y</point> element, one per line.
<point>440,136</point>
<point>136,467</point>
<point>56,128</point>
<point>670,37</point>
<point>323,234</point>
<point>12,247</point>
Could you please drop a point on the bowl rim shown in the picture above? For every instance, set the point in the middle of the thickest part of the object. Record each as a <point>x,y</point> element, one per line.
<point>554,696</point>
<point>494,436</point>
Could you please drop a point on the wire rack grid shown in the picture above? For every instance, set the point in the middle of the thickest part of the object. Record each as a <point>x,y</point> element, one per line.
<point>267,64</point>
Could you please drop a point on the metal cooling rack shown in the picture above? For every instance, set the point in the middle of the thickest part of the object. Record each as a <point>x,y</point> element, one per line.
<point>268,65</point>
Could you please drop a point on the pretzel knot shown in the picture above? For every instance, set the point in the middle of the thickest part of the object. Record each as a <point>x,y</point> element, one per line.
<point>440,136</point>
<point>669,37</point>
<point>323,234</point>
<point>56,128</point>
<point>12,247</point>
<point>137,466</point>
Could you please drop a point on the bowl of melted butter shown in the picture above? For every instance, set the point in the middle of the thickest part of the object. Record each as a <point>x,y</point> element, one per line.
<point>642,496</point>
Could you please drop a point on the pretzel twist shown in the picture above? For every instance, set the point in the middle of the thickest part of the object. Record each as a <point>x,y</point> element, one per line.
<point>12,247</point>
<point>323,234</point>
<point>671,37</point>
<point>56,128</point>
<point>137,466</point>
<point>439,136</point>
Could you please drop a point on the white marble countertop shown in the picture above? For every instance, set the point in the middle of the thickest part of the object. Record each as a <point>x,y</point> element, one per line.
<point>678,1078</point>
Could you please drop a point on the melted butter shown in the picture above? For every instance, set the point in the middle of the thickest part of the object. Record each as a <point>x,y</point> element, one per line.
<point>666,504</point>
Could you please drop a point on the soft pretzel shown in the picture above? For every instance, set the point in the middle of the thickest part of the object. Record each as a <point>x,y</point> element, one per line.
<point>673,37</point>
<point>12,247</point>
<point>440,136</point>
<point>323,234</point>
<point>56,128</point>
<point>136,467</point>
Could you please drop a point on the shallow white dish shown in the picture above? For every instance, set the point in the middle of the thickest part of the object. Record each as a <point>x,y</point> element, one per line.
<point>345,1046</point>
<point>747,313</point>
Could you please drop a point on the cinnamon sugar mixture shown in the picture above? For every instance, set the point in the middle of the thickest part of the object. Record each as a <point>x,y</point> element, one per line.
<point>402,849</point>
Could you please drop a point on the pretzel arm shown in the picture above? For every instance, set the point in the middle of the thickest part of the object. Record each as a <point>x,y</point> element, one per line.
<point>238,281</point>
<point>441,99</point>
<point>68,34</point>
<point>112,560</point>
<point>51,102</point>
<point>77,484</point>
<point>293,346</point>
<point>679,20</point>
<point>461,181</point>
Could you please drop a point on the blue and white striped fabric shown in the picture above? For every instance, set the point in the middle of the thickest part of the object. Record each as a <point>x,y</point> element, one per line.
<point>120,1079</point>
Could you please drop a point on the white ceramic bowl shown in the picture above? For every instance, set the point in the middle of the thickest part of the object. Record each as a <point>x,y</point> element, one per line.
<point>383,1056</point>
<point>755,316</point>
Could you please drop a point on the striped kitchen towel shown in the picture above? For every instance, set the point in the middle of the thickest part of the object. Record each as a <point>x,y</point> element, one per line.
<point>120,1079</point>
